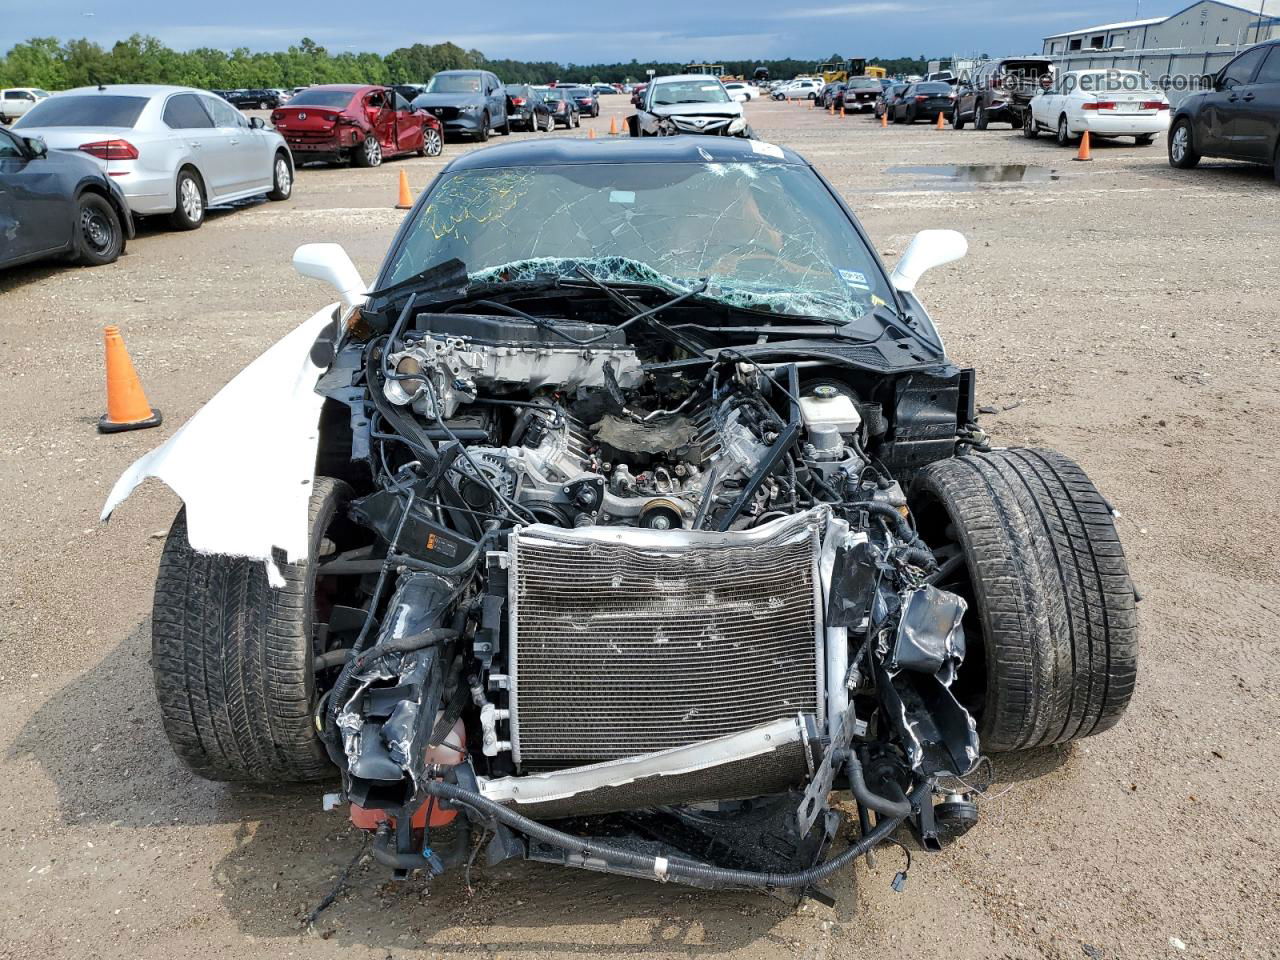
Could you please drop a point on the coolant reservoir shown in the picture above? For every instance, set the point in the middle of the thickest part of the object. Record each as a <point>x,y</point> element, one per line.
<point>828,405</point>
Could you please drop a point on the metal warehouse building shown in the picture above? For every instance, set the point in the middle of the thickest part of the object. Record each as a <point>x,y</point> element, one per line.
<point>1188,44</point>
<point>1209,25</point>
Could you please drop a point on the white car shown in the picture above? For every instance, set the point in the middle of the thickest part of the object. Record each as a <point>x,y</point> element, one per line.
<point>1107,103</point>
<point>799,90</point>
<point>16,101</point>
<point>742,92</point>
<point>172,150</point>
<point>689,103</point>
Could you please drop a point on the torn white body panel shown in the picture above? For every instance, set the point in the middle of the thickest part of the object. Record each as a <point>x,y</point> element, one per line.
<point>244,463</point>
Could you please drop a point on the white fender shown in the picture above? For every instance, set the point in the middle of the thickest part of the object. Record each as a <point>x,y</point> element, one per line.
<point>244,463</point>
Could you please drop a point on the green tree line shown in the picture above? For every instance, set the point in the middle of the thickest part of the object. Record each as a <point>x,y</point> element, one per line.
<point>59,65</point>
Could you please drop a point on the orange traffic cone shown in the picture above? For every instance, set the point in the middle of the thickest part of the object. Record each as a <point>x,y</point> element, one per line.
<point>842,109</point>
<point>1084,148</point>
<point>127,407</point>
<point>884,119</point>
<point>591,134</point>
<point>613,126</point>
<point>406,198</point>
<point>940,124</point>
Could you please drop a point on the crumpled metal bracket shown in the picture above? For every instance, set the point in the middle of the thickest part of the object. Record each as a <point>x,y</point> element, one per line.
<point>814,801</point>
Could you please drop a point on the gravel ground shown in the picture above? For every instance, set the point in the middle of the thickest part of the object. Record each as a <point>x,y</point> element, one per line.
<point>1121,311</point>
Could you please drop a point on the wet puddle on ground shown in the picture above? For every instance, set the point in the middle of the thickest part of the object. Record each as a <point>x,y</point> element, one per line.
<point>971,176</point>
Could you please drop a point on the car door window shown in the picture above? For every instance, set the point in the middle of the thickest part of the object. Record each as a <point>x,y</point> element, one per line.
<point>184,112</point>
<point>1270,72</point>
<point>402,104</point>
<point>224,114</point>
<point>1240,70</point>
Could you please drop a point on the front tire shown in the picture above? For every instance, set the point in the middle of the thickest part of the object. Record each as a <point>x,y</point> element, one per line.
<point>957,120</point>
<point>1182,151</point>
<point>281,179</point>
<point>432,142</point>
<point>1029,128</point>
<point>189,213</point>
<point>1052,627</point>
<point>233,657</point>
<point>980,120</point>
<point>99,238</point>
<point>482,135</point>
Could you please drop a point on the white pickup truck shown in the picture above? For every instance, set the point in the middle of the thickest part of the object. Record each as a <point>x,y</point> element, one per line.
<point>15,101</point>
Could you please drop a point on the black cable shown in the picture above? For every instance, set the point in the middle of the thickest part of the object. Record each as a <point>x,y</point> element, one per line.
<point>332,737</point>
<point>672,868</point>
<point>392,337</point>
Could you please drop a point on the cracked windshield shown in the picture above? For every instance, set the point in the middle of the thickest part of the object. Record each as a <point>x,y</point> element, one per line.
<point>767,236</point>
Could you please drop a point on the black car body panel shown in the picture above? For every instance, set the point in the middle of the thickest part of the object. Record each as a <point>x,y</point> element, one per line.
<point>923,101</point>
<point>1239,118</point>
<point>39,200</point>
<point>563,106</point>
<point>588,101</point>
<point>888,98</point>
<point>526,106</point>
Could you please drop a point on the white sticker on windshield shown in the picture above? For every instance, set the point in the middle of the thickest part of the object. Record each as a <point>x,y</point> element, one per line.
<point>767,149</point>
<point>854,279</point>
<point>711,86</point>
<point>622,196</point>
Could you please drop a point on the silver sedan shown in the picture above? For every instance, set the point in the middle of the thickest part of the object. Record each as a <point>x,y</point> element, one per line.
<point>172,150</point>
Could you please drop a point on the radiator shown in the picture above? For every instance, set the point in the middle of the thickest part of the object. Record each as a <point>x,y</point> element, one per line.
<point>625,641</point>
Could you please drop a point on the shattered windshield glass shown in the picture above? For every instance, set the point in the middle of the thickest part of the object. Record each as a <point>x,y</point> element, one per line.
<point>767,236</point>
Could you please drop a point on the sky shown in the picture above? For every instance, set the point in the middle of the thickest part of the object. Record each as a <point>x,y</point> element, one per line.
<point>664,30</point>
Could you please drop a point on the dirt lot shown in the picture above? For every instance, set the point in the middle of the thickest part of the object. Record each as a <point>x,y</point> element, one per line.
<point>1121,311</point>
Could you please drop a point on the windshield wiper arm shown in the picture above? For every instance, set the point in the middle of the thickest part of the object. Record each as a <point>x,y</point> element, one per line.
<point>449,274</point>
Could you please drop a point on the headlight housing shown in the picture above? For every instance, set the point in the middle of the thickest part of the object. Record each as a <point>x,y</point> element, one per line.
<point>471,108</point>
<point>738,125</point>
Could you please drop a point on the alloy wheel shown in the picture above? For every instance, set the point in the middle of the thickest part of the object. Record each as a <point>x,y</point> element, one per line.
<point>284,179</point>
<point>373,151</point>
<point>432,143</point>
<point>1179,145</point>
<point>192,202</point>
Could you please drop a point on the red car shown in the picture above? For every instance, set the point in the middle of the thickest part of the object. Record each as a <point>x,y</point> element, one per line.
<point>365,124</point>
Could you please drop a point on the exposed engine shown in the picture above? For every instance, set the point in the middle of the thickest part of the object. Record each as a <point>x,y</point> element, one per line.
<point>628,582</point>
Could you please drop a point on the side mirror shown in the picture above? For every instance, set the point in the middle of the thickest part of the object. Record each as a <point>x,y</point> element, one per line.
<point>330,263</point>
<point>928,249</point>
<point>257,123</point>
<point>37,147</point>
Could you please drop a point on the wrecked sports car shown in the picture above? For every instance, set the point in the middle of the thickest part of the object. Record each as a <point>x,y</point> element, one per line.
<point>631,517</point>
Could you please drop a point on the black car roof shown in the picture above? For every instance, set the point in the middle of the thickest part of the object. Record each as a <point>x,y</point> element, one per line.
<point>679,149</point>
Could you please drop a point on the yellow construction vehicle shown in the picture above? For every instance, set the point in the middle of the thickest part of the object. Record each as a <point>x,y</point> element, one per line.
<point>854,67</point>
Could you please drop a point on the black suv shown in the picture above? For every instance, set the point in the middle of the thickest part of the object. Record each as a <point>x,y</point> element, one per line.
<point>1238,117</point>
<point>999,91</point>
